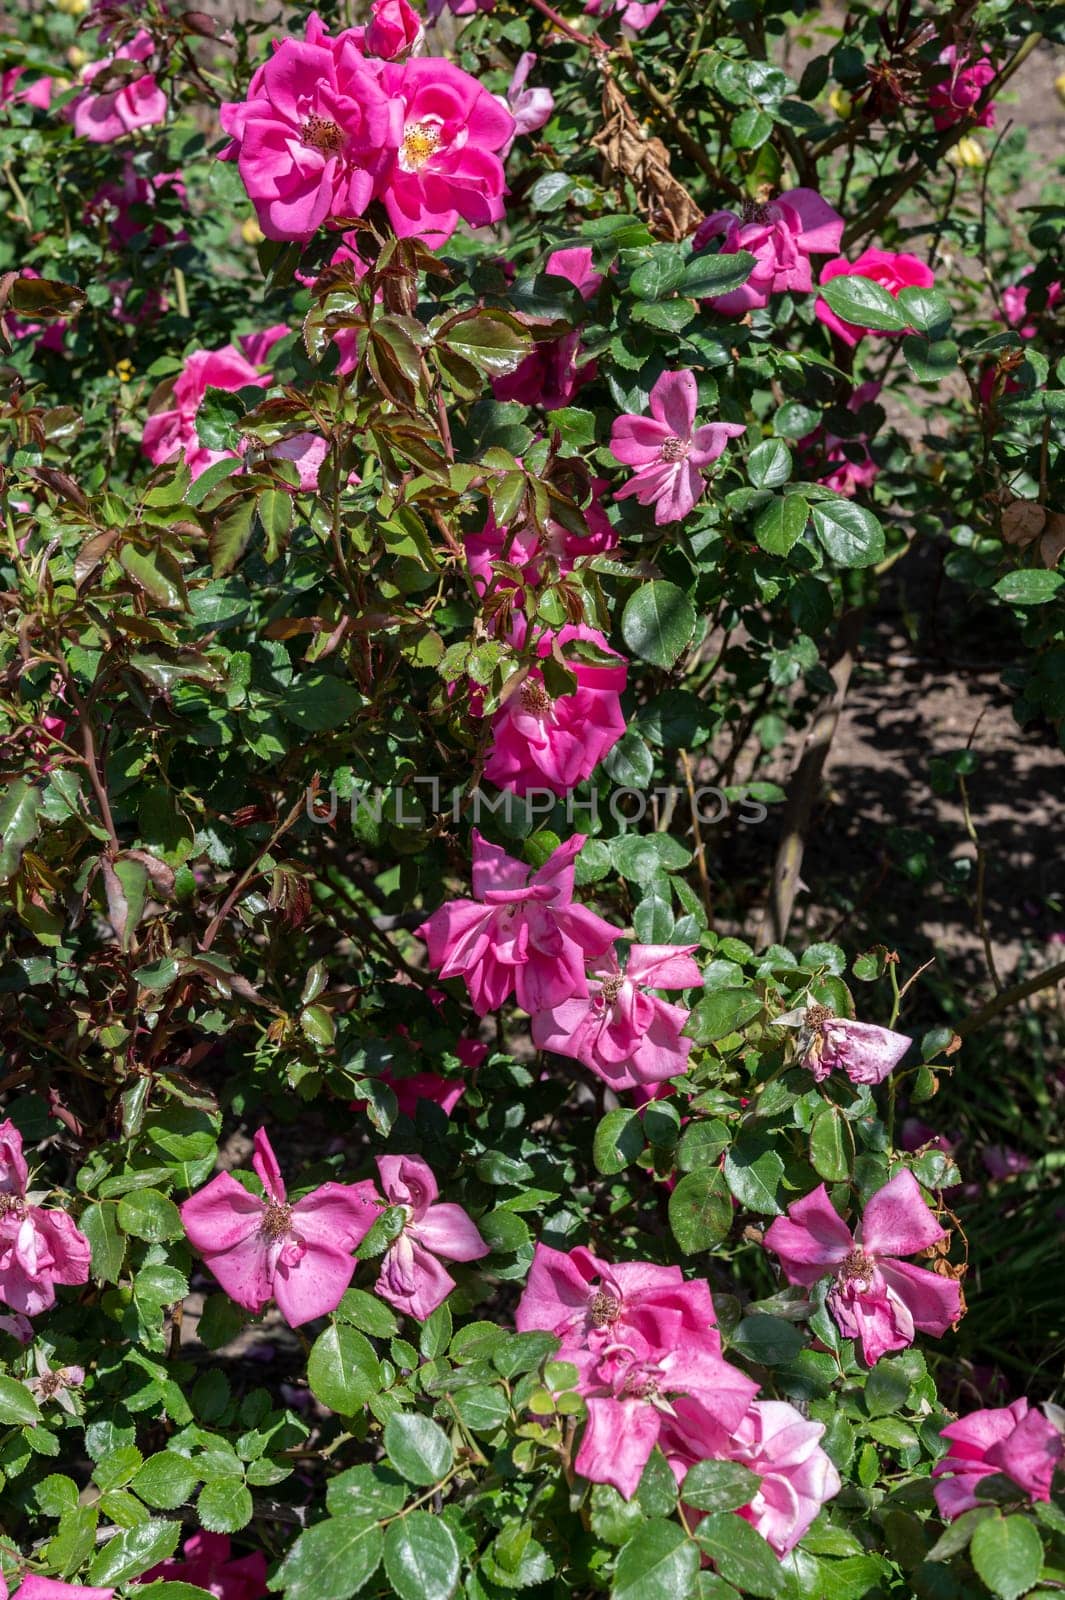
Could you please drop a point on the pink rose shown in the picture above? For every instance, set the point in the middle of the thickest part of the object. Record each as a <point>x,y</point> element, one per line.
<point>412,1278</point>
<point>1017,1440</point>
<point>394,30</point>
<point>264,1247</point>
<point>892,272</point>
<point>851,466</point>
<point>552,372</point>
<point>207,1563</point>
<point>621,1030</point>
<point>1015,305</point>
<point>782,236</point>
<point>520,934</point>
<point>876,1297</point>
<point>38,93</point>
<point>529,550</point>
<point>666,448</point>
<point>955,99</point>
<point>447,167</point>
<point>543,742</point>
<point>39,1248</point>
<point>139,103</point>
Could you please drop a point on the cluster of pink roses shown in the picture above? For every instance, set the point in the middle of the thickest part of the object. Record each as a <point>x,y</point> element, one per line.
<point>523,934</point>
<point>331,123</point>
<point>264,1247</point>
<point>648,1355</point>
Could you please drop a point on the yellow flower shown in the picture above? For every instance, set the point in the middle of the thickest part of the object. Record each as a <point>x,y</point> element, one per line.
<point>968,152</point>
<point>72,8</point>
<point>841,103</point>
<point>251,232</point>
<point>76,57</point>
<point>1059,84</point>
<point>123,371</point>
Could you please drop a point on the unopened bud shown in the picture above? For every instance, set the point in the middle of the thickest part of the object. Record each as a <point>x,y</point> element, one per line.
<point>968,152</point>
<point>841,103</point>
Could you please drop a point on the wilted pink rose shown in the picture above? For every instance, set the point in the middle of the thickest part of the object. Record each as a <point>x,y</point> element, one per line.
<point>552,372</point>
<point>1018,1440</point>
<point>772,1440</point>
<point>412,1278</point>
<point>208,1563</point>
<point>620,1030</point>
<point>315,136</point>
<point>521,933</point>
<point>447,166</point>
<point>528,549</point>
<point>782,236</point>
<point>139,103</point>
<point>541,741</point>
<point>866,1053</point>
<point>892,271</point>
<point>54,1383</point>
<point>263,1247</point>
<point>666,449</point>
<point>876,1297</point>
<point>394,30</point>
<point>38,1248</point>
<point>956,97</point>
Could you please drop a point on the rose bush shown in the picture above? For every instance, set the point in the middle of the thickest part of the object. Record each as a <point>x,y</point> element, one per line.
<point>440,451</point>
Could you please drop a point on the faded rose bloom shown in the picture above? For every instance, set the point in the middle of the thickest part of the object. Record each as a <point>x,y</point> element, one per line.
<point>39,1247</point>
<point>139,103</point>
<point>774,1441</point>
<point>412,1278</point>
<point>1017,1440</point>
<point>892,271</point>
<point>622,1031</point>
<point>782,236</point>
<point>540,741</point>
<point>264,1247</point>
<point>956,97</point>
<point>520,933</point>
<point>54,1383</point>
<point>207,1562</point>
<point>876,1297</point>
<point>666,449</point>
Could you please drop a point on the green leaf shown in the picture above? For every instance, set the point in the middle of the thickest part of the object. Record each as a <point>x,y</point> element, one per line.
<point>658,622</point>
<point>741,1555</point>
<point>660,275</point>
<point>780,523</point>
<point>421,1557</point>
<point>218,419</point>
<point>719,1486</point>
<point>371,1490</point>
<point>418,1449</point>
<point>230,533</point>
<point>343,1370</point>
<point>851,535</point>
<point>659,1561</point>
<point>864,304</point>
<point>492,341</point>
<point>722,1012</point>
<point>17,1405</point>
<point>710,275</point>
<point>366,1312</point>
<point>166,1480</point>
<point>927,310</point>
<point>831,1146</point>
<point>770,1341</point>
<point>225,1505</point>
<point>1007,1553</point>
<point>618,1141</point>
<point>769,464</point>
<point>19,808</point>
<point>750,130</point>
<point>147,1214</point>
<point>700,1210</point>
<point>320,701</point>
<point>1028,586</point>
<point>332,1560</point>
<point>930,360</point>
<point>157,573</point>
<point>753,1170</point>
<point>134,1551</point>
<point>99,1224</point>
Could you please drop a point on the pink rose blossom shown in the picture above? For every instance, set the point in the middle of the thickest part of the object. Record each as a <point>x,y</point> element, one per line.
<point>774,1441</point>
<point>38,93</point>
<point>38,1248</point>
<point>875,1297</point>
<point>1017,1440</point>
<point>634,14</point>
<point>955,99</point>
<point>520,934</point>
<point>172,433</point>
<point>458,8</point>
<point>1003,1162</point>
<point>553,371</point>
<point>892,272</point>
<point>866,1053</point>
<point>263,1247</point>
<point>530,108</point>
<point>314,137</point>
<point>412,1278</point>
<point>666,448</point>
<point>621,1031</point>
<point>394,30</point>
<point>1015,305</point>
<point>782,236</point>
<point>528,549</point>
<point>33,1587</point>
<point>447,167</point>
<point>139,103</point>
<point>206,1561</point>
<point>17,1327</point>
<point>114,201</point>
<point>852,466</point>
<point>543,742</point>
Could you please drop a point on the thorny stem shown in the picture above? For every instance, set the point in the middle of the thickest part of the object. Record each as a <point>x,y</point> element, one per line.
<point>663,104</point>
<point>1047,979</point>
<point>250,872</point>
<point>700,851</point>
<point>92,762</point>
<point>591,41</point>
